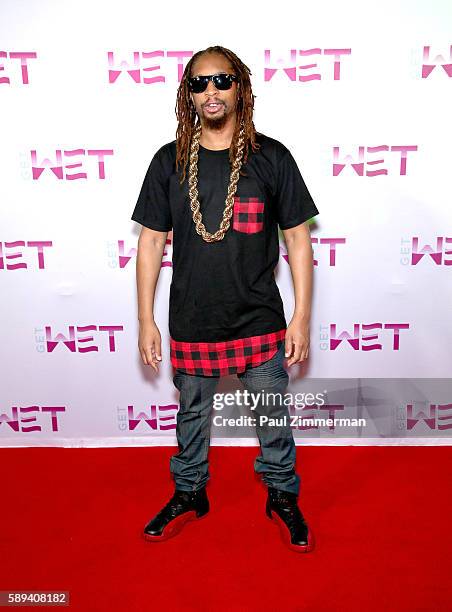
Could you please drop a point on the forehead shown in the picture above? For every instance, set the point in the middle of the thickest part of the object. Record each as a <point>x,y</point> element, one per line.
<point>211,63</point>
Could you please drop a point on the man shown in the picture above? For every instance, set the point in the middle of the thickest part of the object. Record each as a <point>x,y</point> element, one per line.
<point>226,314</point>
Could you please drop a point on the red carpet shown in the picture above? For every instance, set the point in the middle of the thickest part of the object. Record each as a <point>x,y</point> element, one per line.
<point>72,520</point>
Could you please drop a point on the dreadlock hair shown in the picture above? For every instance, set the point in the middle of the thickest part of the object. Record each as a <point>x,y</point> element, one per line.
<point>188,119</point>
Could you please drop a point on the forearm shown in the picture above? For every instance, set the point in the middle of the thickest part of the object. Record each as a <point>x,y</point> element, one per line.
<point>300,255</point>
<point>148,265</point>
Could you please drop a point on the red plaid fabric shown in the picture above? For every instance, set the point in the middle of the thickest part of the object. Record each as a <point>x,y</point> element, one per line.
<point>223,358</point>
<point>248,215</point>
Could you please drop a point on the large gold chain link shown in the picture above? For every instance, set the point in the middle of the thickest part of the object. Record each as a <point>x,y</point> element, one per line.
<point>232,188</point>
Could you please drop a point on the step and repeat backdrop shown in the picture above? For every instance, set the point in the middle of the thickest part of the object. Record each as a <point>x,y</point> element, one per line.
<point>360,96</point>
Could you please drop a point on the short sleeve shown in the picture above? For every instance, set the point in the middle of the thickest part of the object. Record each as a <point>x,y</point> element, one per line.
<point>152,208</point>
<point>293,202</point>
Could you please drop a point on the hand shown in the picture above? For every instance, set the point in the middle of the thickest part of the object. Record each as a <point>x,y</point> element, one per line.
<point>149,344</point>
<point>297,341</point>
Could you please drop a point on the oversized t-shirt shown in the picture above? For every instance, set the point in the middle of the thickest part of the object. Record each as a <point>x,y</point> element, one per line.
<point>225,309</point>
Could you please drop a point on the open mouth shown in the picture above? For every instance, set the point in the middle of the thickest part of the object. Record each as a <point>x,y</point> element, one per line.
<point>212,108</point>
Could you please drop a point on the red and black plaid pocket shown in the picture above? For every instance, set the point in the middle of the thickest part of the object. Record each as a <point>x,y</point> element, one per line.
<point>248,215</point>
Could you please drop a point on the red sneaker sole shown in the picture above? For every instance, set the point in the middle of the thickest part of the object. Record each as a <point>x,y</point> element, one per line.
<point>174,527</point>
<point>285,535</point>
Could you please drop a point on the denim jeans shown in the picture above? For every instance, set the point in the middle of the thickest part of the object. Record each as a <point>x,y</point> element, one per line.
<point>276,461</point>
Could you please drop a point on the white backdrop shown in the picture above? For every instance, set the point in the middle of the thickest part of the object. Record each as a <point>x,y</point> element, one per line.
<point>361,95</point>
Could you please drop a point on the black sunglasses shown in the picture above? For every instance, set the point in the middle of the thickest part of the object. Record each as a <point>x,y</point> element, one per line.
<point>221,81</point>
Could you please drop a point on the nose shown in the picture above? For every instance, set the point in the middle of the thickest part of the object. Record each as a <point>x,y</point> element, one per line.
<point>211,90</point>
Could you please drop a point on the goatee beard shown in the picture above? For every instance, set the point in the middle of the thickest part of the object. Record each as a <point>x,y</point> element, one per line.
<point>215,124</point>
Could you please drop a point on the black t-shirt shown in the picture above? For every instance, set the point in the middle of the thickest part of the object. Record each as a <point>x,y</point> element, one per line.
<point>225,290</point>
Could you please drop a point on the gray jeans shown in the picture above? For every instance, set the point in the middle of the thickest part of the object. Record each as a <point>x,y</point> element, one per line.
<point>276,461</point>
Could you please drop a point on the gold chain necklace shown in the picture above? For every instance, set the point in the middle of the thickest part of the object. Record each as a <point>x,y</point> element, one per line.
<point>193,192</point>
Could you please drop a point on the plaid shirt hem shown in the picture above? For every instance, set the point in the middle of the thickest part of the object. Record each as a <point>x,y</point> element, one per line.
<point>223,358</point>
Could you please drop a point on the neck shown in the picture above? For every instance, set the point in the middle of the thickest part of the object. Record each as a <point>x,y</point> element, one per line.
<point>217,139</point>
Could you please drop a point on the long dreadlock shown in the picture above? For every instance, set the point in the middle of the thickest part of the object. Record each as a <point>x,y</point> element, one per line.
<point>188,119</point>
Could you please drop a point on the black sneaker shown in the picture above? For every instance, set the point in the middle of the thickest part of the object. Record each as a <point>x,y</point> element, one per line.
<point>182,507</point>
<point>282,507</point>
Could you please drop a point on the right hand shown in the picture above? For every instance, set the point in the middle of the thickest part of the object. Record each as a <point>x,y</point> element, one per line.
<point>149,344</point>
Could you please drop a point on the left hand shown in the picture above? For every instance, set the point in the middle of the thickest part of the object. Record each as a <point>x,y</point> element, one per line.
<point>297,341</point>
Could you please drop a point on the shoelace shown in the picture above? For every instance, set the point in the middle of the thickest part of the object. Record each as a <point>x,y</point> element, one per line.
<point>174,505</point>
<point>293,515</point>
<point>292,512</point>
